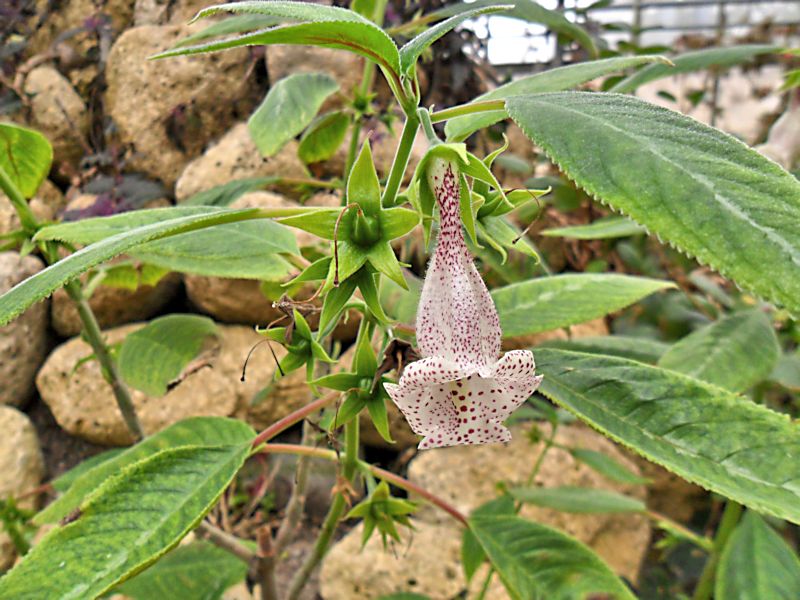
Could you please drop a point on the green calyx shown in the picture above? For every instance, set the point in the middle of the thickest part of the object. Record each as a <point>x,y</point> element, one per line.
<point>381,511</point>
<point>362,231</point>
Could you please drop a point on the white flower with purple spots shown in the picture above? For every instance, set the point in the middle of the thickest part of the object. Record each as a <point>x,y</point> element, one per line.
<point>462,390</point>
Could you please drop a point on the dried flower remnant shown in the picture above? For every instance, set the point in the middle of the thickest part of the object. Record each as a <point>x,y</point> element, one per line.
<point>462,390</point>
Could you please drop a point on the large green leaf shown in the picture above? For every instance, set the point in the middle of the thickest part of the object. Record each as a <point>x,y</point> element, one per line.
<point>414,48</point>
<point>578,500</point>
<point>536,562</point>
<point>735,352</point>
<point>197,571</point>
<point>323,137</point>
<point>602,229</point>
<point>636,348</point>
<point>289,106</point>
<point>757,564</point>
<point>705,434</point>
<point>247,250</point>
<point>45,282</point>
<point>529,11</point>
<point>694,61</point>
<point>699,189</point>
<point>237,24</point>
<point>25,157</point>
<point>197,431</point>
<point>307,23</point>
<point>226,193</point>
<point>552,80</point>
<point>153,356</point>
<point>551,302</point>
<point>126,524</point>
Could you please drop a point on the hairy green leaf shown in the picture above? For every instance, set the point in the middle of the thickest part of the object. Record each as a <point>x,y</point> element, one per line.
<point>227,193</point>
<point>306,23</point>
<point>128,523</point>
<point>153,356</point>
<point>578,500</point>
<point>636,348</point>
<point>606,466</point>
<point>530,11</point>
<point>323,137</point>
<point>289,106</point>
<point>414,48</point>
<point>735,352</point>
<point>699,189</point>
<point>45,282</point>
<point>536,562</point>
<point>247,250</point>
<point>553,80</point>
<point>705,434</point>
<point>552,302</point>
<point>237,24</point>
<point>694,61</point>
<point>198,571</point>
<point>63,482</point>
<point>196,431</point>
<point>757,564</point>
<point>25,157</point>
<point>602,229</point>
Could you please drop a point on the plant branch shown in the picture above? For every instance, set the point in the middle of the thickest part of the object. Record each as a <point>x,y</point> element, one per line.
<point>400,162</point>
<point>226,541</point>
<point>108,365</point>
<point>295,417</point>
<point>296,504</point>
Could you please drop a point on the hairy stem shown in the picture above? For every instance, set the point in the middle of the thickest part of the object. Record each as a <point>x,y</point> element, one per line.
<point>109,367</point>
<point>730,517</point>
<point>400,162</point>
<point>467,109</point>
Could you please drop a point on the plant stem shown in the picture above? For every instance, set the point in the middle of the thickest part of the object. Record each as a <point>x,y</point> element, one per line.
<point>297,501</point>
<point>226,541</point>
<point>400,161</point>
<point>93,334</point>
<point>265,563</point>
<point>427,127</point>
<point>335,513</point>
<point>730,517</point>
<point>467,109</point>
<point>26,217</point>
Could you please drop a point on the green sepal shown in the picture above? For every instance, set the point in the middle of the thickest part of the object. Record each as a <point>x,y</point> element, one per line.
<point>319,221</point>
<point>397,222</point>
<point>467,209</point>
<point>351,259</point>
<point>490,158</point>
<point>476,169</point>
<point>318,352</point>
<point>514,199</point>
<point>301,326</point>
<point>290,362</point>
<point>277,334</point>
<point>342,382</point>
<point>500,234</point>
<point>382,257</point>
<point>368,285</point>
<point>314,272</point>
<point>353,404</point>
<point>363,186</point>
<point>376,406</point>
<point>332,306</point>
<point>364,361</point>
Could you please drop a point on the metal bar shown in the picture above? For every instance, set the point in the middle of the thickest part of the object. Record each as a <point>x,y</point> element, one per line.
<point>679,4</point>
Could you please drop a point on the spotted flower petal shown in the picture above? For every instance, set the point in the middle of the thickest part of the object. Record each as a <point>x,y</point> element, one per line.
<point>460,393</point>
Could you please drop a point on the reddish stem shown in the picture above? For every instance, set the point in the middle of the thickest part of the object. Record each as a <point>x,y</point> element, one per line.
<point>295,417</point>
<point>376,471</point>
